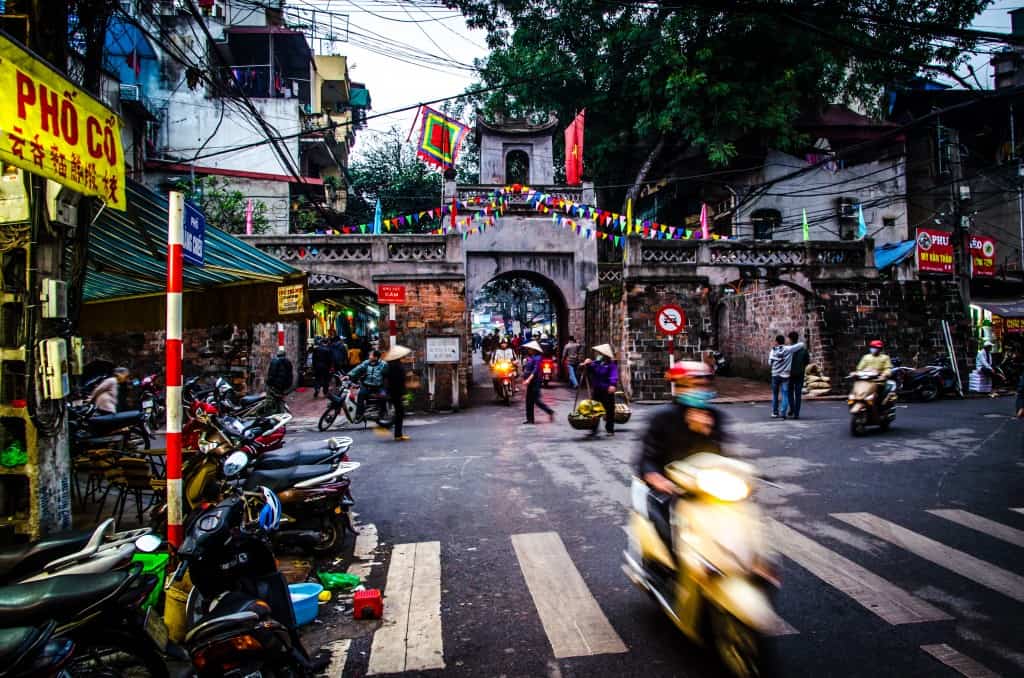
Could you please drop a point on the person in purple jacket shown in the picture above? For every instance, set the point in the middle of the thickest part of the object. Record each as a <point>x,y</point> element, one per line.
<point>603,373</point>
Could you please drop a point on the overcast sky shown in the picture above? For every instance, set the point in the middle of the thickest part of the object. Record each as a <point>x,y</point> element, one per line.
<point>384,36</point>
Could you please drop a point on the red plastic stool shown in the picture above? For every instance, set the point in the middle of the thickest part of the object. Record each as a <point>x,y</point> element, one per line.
<point>368,604</point>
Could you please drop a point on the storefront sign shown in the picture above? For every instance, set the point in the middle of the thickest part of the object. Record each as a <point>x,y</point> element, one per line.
<point>983,256</point>
<point>195,235</point>
<point>443,349</point>
<point>1013,325</point>
<point>934,251</point>
<point>53,129</point>
<point>290,299</point>
<point>390,294</point>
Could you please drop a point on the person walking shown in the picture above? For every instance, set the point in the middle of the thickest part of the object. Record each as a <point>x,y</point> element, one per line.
<point>780,360</point>
<point>571,359</point>
<point>339,352</point>
<point>395,376</point>
<point>797,372</point>
<point>321,366</point>
<point>981,378</point>
<point>603,374</point>
<point>107,393</point>
<point>532,381</point>
<point>280,374</point>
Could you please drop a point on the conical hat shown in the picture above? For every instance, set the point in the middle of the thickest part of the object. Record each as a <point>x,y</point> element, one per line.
<point>605,350</point>
<point>535,346</point>
<point>396,353</point>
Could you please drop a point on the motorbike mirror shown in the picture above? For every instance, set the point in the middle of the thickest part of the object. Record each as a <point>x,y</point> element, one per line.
<point>235,464</point>
<point>148,543</point>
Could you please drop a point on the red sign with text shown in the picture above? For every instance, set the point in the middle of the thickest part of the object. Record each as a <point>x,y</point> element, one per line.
<point>983,255</point>
<point>934,251</point>
<point>390,294</point>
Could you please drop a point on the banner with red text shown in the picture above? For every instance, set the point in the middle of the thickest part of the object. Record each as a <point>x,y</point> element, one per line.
<point>934,251</point>
<point>983,255</point>
<point>51,128</point>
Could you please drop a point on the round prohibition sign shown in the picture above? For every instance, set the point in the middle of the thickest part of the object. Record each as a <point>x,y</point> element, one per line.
<point>671,320</point>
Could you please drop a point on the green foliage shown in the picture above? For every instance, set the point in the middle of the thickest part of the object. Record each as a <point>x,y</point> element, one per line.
<point>706,77</point>
<point>515,297</point>
<point>223,206</point>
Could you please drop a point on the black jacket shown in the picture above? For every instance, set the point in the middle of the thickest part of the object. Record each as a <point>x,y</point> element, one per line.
<point>395,376</point>
<point>322,357</point>
<point>280,374</point>
<point>669,439</point>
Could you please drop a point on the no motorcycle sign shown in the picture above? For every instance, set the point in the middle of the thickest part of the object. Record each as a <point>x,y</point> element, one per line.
<point>671,320</point>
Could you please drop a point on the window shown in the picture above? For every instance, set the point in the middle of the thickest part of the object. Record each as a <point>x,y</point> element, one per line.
<point>765,222</point>
<point>517,167</point>
<point>889,223</point>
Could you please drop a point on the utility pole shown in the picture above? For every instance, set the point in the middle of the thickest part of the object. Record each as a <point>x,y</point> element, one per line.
<point>960,193</point>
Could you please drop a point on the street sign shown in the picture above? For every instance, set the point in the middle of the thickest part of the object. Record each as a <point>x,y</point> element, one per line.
<point>443,349</point>
<point>671,320</point>
<point>390,294</point>
<point>290,299</point>
<point>195,235</point>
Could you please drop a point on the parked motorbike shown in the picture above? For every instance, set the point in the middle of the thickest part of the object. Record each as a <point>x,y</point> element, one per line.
<point>33,651</point>
<point>870,404</point>
<point>547,371</point>
<point>502,377</point>
<point>239,612</point>
<point>255,405</point>
<point>151,401</point>
<point>346,402</point>
<point>721,366</point>
<point>122,430</point>
<point>923,383</point>
<point>709,568</point>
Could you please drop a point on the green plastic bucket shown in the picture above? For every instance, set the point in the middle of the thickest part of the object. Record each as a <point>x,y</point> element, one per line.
<point>153,563</point>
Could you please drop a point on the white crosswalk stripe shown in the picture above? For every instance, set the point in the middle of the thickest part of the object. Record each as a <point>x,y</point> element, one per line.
<point>1018,510</point>
<point>960,663</point>
<point>571,618</point>
<point>888,601</point>
<point>975,569</point>
<point>983,525</point>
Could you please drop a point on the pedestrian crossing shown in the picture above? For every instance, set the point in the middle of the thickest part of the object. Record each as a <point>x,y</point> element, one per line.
<point>575,620</point>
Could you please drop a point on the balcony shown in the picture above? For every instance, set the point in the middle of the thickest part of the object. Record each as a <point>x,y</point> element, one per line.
<point>133,98</point>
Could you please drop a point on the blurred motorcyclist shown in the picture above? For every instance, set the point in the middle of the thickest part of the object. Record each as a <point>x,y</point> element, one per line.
<point>686,426</point>
<point>504,353</point>
<point>875,360</point>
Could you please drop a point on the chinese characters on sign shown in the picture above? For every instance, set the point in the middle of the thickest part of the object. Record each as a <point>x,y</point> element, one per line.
<point>195,235</point>
<point>290,299</point>
<point>53,129</point>
<point>983,255</point>
<point>934,251</point>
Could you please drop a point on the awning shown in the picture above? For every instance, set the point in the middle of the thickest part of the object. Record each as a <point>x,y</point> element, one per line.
<point>893,253</point>
<point>1010,308</point>
<point>125,280</point>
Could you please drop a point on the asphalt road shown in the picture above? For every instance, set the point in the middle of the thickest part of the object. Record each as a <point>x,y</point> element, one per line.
<point>474,512</point>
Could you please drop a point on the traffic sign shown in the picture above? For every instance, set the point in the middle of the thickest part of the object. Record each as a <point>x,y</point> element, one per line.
<point>194,236</point>
<point>390,294</point>
<point>671,320</point>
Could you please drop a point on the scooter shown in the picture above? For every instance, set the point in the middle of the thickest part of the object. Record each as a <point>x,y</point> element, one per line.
<point>239,613</point>
<point>709,567</point>
<point>346,401</point>
<point>33,651</point>
<point>502,377</point>
<point>255,405</point>
<point>123,430</point>
<point>923,383</point>
<point>865,406</point>
<point>547,371</point>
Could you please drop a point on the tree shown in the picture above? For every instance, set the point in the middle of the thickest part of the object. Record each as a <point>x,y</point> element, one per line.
<point>517,299</point>
<point>703,77</point>
<point>223,206</point>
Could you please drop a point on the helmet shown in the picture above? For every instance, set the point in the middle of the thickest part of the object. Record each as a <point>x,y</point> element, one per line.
<point>688,373</point>
<point>877,343</point>
<point>270,514</point>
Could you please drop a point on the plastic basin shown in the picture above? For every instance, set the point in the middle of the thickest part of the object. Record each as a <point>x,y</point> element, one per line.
<point>156,564</point>
<point>304,601</point>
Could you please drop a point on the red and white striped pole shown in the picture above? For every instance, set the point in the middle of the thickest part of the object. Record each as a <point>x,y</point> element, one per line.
<point>280,335</point>
<point>175,236</point>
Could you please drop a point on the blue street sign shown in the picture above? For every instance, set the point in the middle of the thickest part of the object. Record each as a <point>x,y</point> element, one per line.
<point>195,235</point>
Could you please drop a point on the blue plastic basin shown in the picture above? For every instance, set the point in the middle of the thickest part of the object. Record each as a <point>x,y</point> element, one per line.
<point>304,601</point>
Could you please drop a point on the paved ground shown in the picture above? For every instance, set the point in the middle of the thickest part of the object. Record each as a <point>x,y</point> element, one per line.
<point>486,527</point>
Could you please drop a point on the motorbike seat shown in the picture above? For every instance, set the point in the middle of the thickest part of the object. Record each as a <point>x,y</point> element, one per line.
<point>246,401</point>
<point>111,422</point>
<point>283,478</point>
<point>60,598</point>
<point>21,561</point>
<point>229,612</point>
<point>287,458</point>
<point>14,642</point>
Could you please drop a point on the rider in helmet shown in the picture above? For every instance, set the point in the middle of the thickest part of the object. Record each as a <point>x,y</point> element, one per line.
<point>686,426</point>
<point>879,362</point>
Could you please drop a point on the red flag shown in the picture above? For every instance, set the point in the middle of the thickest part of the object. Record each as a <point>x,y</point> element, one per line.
<point>574,150</point>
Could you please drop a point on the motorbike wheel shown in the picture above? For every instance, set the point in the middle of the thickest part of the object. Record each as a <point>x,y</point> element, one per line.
<point>739,647</point>
<point>135,438</point>
<point>928,392</point>
<point>332,532</point>
<point>115,653</point>
<point>327,418</point>
<point>857,426</point>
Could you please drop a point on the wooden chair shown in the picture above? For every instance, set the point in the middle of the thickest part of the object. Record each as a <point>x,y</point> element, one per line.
<point>128,476</point>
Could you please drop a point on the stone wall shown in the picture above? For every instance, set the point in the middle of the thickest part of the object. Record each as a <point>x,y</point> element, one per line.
<point>748,322</point>
<point>604,323</point>
<point>646,349</point>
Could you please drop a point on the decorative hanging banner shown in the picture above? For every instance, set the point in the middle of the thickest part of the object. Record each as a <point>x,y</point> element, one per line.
<point>52,128</point>
<point>440,138</point>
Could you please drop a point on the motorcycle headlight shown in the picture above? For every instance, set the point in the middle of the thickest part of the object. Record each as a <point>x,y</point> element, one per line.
<point>722,485</point>
<point>209,523</point>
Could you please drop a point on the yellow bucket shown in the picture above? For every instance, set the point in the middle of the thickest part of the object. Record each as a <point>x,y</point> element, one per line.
<point>175,602</point>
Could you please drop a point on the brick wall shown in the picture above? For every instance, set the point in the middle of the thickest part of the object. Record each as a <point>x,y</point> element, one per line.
<point>646,349</point>
<point>604,324</point>
<point>747,324</point>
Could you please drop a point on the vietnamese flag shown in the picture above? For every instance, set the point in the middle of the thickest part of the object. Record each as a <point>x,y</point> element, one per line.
<point>574,150</point>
